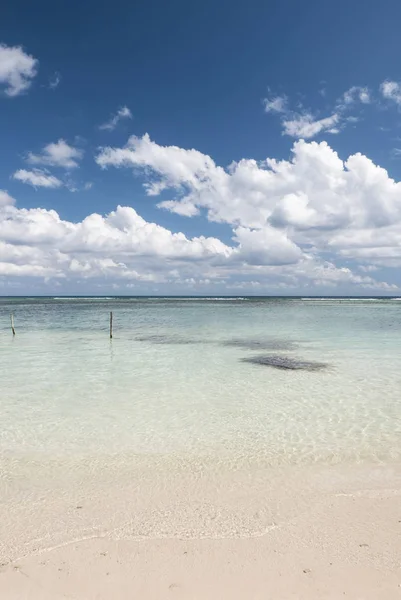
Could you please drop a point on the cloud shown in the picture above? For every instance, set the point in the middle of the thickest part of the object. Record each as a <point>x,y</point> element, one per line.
<point>122,232</point>
<point>178,166</point>
<point>17,69</point>
<point>305,126</point>
<point>73,186</point>
<point>121,245</point>
<point>58,154</point>
<point>37,178</point>
<point>391,90</point>
<point>54,81</point>
<point>368,268</point>
<point>266,246</point>
<point>277,104</point>
<point>124,251</point>
<point>122,113</point>
<point>355,94</point>
<point>315,200</point>
<point>311,223</point>
<point>6,199</point>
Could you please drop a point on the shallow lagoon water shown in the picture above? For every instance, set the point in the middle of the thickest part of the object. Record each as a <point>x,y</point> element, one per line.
<point>180,387</point>
<point>178,377</point>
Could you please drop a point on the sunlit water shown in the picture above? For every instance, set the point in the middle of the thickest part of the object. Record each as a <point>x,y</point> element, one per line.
<point>175,388</point>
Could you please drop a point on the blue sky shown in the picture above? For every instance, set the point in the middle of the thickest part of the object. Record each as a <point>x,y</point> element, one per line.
<point>219,88</point>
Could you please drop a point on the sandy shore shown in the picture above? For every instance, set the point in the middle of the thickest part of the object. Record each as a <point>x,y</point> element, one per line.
<point>344,541</point>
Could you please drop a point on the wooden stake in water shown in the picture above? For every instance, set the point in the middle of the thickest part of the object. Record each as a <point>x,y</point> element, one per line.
<point>111,325</point>
<point>12,323</point>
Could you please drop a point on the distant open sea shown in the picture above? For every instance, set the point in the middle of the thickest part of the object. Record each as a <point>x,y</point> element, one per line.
<point>188,384</point>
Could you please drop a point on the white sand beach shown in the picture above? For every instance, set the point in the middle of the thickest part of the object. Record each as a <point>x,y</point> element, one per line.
<point>338,536</point>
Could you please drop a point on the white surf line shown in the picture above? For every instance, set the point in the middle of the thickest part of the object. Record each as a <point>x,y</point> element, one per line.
<point>109,535</point>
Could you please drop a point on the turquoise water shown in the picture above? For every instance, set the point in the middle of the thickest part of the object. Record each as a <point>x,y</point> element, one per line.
<point>174,429</point>
<point>174,382</point>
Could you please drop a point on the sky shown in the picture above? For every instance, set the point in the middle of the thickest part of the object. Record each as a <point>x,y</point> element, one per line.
<point>214,148</point>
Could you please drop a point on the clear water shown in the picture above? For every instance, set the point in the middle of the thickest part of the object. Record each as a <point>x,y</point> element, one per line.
<point>173,380</point>
<point>82,415</point>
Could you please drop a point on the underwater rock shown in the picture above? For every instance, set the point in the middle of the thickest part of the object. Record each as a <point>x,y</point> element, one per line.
<point>285,363</point>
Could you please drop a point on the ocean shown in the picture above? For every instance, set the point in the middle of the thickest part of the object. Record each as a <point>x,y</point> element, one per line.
<point>189,392</point>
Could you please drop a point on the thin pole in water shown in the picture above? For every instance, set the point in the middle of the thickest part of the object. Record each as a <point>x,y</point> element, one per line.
<point>12,323</point>
<point>111,325</point>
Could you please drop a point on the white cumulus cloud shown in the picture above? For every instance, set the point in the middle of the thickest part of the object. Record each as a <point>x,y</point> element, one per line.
<point>121,245</point>
<point>17,69</point>
<point>37,178</point>
<point>306,126</point>
<point>315,200</point>
<point>57,154</point>
<point>6,199</point>
<point>313,222</point>
<point>125,251</point>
